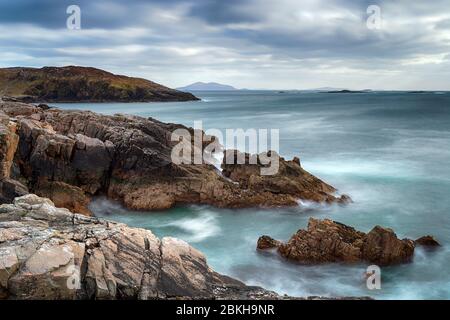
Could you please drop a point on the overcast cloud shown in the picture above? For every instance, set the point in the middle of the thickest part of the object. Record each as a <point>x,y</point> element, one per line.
<point>273,44</point>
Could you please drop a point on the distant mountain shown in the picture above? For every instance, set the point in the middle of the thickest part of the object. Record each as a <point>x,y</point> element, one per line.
<point>210,86</point>
<point>326,89</point>
<point>75,84</point>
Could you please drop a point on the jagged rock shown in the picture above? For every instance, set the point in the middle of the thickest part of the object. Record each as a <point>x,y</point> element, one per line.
<point>129,159</point>
<point>9,188</point>
<point>328,241</point>
<point>427,241</point>
<point>8,144</point>
<point>266,242</point>
<point>381,246</point>
<point>51,253</point>
<point>74,159</point>
<point>290,180</point>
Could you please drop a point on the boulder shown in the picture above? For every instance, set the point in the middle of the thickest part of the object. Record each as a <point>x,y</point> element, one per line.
<point>10,189</point>
<point>65,196</point>
<point>324,241</point>
<point>266,242</point>
<point>327,241</point>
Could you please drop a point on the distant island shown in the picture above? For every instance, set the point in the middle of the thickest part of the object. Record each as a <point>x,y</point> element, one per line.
<point>326,89</point>
<point>81,84</point>
<point>210,86</point>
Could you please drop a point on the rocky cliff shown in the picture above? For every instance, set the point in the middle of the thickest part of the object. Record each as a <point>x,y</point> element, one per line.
<point>70,156</point>
<point>74,84</point>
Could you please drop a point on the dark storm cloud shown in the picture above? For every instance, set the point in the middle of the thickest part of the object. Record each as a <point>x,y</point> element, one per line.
<point>248,42</point>
<point>96,13</point>
<point>222,12</point>
<point>44,13</point>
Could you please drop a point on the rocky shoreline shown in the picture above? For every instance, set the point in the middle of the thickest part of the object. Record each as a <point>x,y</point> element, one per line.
<point>52,162</point>
<point>69,156</point>
<point>51,253</point>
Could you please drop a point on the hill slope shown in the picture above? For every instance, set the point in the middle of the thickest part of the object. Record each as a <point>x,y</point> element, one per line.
<point>210,86</point>
<point>73,84</point>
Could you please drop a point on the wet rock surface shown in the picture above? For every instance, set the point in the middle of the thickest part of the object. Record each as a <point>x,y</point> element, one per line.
<point>327,241</point>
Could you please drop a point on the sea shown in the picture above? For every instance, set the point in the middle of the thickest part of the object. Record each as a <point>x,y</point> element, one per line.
<point>390,151</point>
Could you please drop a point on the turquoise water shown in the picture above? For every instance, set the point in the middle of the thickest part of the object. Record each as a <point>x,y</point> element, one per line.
<point>390,151</point>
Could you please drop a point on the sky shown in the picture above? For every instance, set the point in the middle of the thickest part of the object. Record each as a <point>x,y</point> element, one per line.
<point>256,44</point>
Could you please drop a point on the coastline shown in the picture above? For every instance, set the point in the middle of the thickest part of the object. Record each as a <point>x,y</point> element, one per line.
<point>38,131</point>
<point>56,111</point>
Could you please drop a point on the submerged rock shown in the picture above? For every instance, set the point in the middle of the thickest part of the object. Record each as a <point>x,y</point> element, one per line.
<point>427,241</point>
<point>60,153</point>
<point>328,241</point>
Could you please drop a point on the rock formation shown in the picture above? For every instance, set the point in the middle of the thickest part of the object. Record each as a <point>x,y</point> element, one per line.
<point>266,242</point>
<point>9,140</point>
<point>74,84</point>
<point>328,241</point>
<point>70,156</point>
<point>51,253</point>
<point>428,241</point>
<point>291,180</point>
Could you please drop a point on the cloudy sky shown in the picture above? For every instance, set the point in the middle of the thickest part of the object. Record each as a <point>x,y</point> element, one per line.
<point>272,44</point>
